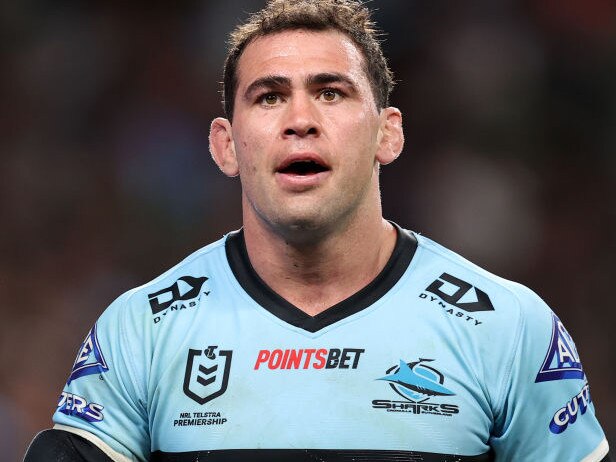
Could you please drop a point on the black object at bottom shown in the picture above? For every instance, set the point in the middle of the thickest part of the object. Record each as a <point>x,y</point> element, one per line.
<point>312,455</point>
<point>59,445</point>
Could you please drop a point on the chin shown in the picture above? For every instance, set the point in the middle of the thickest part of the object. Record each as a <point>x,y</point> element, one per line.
<point>298,227</point>
<point>304,229</point>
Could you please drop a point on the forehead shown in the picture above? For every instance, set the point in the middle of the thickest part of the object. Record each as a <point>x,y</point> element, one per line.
<point>297,53</point>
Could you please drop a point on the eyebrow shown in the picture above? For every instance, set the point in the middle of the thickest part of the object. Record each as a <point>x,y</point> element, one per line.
<point>271,82</point>
<point>329,77</point>
<point>267,82</point>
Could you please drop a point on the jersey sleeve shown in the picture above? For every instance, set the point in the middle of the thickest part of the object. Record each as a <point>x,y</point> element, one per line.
<point>546,410</point>
<point>105,397</point>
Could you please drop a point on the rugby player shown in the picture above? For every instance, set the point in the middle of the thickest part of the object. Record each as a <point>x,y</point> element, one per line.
<point>320,330</point>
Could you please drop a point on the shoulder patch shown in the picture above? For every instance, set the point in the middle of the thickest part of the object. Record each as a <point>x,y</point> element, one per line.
<point>562,360</point>
<point>90,359</point>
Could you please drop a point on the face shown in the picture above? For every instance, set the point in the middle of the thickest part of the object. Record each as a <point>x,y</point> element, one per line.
<point>306,137</point>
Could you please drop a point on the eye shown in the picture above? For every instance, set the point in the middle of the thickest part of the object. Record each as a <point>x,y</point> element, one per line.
<point>330,95</point>
<point>269,99</point>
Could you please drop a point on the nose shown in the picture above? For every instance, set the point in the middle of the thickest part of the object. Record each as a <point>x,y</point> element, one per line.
<point>301,118</point>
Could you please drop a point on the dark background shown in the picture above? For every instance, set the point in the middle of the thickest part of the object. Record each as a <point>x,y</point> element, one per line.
<point>106,179</point>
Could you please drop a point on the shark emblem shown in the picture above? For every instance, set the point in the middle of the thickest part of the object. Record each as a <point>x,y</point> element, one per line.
<point>416,380</point>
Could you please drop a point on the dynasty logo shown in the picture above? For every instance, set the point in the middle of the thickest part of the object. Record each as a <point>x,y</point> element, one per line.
<point>416,383</point>
<point>182,294</point>
<point>458,298</point>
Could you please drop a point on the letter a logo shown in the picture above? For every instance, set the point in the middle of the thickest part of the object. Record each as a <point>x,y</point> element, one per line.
<point>89,359</point>
<point>562,360</point>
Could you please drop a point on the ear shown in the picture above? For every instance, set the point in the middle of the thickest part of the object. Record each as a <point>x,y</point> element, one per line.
<point>222,146</point>
<point>390,137</point>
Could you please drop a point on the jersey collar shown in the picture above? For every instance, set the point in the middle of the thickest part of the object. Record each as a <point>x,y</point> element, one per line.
<point>237,256</point>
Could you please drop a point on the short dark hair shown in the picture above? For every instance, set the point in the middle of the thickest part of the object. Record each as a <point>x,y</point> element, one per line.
<point>350,17</point>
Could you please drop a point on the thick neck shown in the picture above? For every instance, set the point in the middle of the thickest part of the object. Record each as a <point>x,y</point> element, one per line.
<point>262,294</point>
<point>315,275</point>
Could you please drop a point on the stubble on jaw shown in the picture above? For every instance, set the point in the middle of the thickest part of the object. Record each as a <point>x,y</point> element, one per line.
<point>309,229</point>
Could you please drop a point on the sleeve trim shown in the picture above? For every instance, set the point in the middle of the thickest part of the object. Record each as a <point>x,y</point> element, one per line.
<point>598,454</point>
<point>108,450</point>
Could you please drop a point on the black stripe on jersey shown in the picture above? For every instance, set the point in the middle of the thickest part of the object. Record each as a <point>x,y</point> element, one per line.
<point>401,257</point>
<point>312,455</point>
<point>61,445</point>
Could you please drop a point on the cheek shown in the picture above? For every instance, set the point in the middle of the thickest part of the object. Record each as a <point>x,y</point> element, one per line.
<point>249,154</point>
<point>254,135</point>
<point>361,139</point>
<point>357,125</point>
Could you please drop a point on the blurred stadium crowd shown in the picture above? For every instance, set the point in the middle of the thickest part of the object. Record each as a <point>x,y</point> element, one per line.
<point>106,180</point>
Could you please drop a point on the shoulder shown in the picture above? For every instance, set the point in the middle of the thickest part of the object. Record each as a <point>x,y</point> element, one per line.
<point>126,335</point>
<point>503,324</point>
<point>181,283</point>
<point>467,286</point>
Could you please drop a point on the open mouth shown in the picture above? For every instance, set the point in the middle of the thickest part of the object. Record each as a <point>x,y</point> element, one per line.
<point>303,167</point>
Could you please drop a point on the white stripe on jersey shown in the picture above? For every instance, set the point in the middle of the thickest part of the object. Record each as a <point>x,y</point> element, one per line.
<point>598,454</point>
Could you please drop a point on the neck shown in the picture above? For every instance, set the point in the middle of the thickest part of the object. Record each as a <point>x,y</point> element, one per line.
<point>315,275</point>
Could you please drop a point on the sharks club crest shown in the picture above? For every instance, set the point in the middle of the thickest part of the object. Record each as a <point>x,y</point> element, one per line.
<point>419,385</point>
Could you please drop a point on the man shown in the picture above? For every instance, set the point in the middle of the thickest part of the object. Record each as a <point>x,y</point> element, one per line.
<point>321,331</point>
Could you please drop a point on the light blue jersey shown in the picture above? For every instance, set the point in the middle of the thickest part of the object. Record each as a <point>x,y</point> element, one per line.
<point>435,360</point>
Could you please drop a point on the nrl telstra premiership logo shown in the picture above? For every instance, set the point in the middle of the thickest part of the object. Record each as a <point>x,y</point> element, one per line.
<point>207,373</point>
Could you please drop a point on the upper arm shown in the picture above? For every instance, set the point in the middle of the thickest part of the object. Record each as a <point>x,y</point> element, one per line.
<point>105,395</point>
<point>546,411</point>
